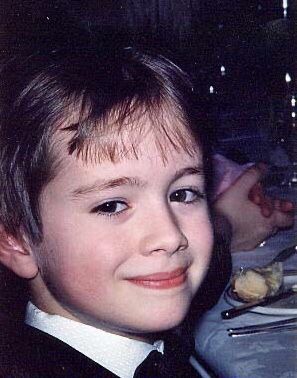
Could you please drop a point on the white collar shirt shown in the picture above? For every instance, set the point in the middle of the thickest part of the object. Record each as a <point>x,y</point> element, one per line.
<point>118,354</point>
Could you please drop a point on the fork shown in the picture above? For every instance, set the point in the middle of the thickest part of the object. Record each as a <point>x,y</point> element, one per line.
<point>277,326</point>
<point>289,327</point>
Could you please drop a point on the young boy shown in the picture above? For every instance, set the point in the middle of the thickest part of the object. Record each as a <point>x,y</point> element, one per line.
<point>104,209</point>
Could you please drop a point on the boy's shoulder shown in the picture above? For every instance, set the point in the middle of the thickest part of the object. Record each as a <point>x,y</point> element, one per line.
<point>28,352</point>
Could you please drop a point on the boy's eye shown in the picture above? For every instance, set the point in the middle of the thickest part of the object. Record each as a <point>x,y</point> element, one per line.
<point>110,208</point>
<point>186,196</point>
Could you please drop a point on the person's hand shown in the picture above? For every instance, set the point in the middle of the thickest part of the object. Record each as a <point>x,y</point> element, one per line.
<point>252,215</point>
<point>267,204</point>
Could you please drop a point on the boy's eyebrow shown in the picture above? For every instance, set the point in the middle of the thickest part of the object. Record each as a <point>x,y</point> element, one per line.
<point>108,184</point>
<point>101,185</point>
<point>188,171</point>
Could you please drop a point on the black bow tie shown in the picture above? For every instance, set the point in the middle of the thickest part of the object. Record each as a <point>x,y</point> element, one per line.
<point>174,363</point>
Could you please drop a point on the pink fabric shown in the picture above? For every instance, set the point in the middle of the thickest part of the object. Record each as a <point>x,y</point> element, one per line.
<point>226,172</point>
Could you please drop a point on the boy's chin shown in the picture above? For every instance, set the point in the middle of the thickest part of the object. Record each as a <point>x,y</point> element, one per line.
<point>148,333</point>
<point>163,326</point>
<point>160,321</point>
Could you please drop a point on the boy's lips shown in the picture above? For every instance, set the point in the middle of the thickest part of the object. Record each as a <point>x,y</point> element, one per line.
<point>161,280</point>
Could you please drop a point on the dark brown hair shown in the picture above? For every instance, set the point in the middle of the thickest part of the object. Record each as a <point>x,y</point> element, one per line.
<point>85,93</point>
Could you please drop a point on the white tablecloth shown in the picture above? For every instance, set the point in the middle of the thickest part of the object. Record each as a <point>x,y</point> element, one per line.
<point>271,355</point>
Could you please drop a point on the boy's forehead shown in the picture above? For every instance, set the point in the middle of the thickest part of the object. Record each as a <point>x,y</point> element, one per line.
<point>111,140</point>
<point>75,175</point>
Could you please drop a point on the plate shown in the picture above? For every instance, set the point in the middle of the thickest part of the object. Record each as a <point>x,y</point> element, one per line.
<point>286,306</point>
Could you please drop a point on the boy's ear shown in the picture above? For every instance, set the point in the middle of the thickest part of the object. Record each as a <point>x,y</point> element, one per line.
<point>17,255</point>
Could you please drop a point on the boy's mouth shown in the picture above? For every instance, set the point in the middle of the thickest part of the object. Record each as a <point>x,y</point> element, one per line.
<point>161,280</point>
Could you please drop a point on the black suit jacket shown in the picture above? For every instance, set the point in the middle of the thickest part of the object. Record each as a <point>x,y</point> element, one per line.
<point>27,352</point>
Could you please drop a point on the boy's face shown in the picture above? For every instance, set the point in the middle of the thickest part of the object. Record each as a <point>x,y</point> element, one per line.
<point>126,244</point>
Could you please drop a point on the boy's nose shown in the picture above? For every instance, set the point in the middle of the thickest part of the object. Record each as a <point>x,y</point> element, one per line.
<point>163,234</point>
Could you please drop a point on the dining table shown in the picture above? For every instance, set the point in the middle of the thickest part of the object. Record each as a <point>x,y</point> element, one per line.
<point>256,355</point>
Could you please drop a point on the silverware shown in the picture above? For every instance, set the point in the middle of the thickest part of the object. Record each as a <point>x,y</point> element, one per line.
<point>284,328</point>
<point>241,309</point>
<point>284,254</point>
<point>264,325</point>
<point>290,272</point>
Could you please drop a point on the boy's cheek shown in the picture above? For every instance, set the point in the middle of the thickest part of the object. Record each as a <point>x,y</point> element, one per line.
<point>202,248</point>
<point>200,234</point>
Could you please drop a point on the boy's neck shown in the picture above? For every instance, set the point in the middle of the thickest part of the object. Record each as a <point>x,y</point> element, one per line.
<point>42,304</point>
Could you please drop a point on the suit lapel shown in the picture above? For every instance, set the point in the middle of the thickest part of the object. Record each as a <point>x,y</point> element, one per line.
<point>35,354</point>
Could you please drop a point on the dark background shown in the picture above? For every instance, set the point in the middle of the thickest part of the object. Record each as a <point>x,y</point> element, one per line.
<point>251,39</point>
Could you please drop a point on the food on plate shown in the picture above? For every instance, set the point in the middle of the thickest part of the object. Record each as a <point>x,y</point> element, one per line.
<point>257,283</point>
